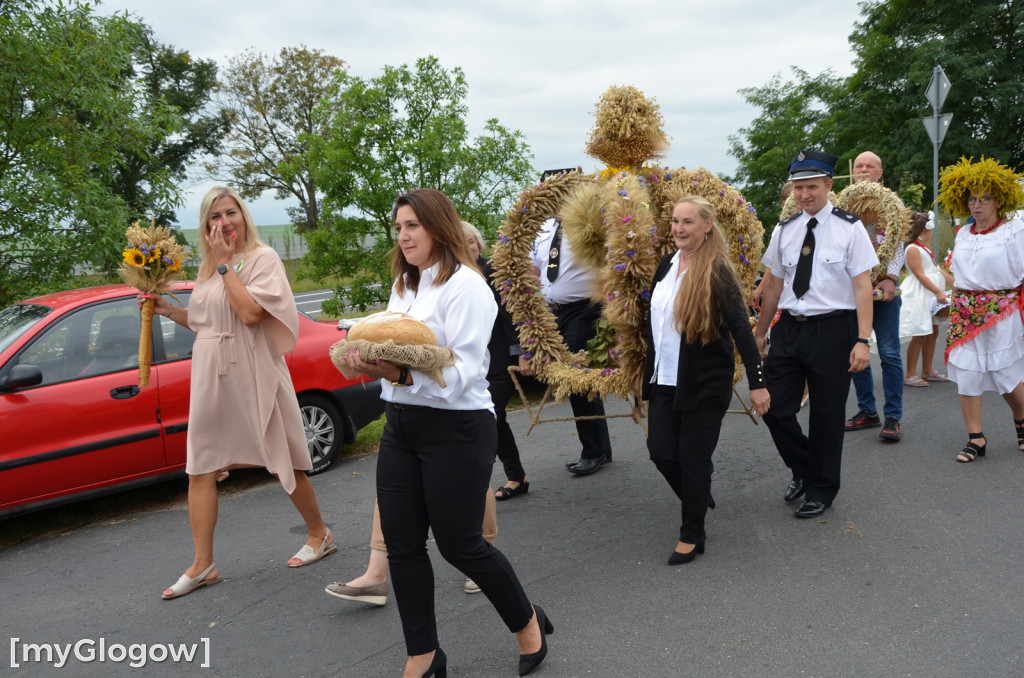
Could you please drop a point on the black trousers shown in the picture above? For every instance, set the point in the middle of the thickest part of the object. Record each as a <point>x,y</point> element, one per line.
<point>681,445</point>
<point>432,472</point>
<point>501,387</point>
<point>818,352</point>
<point>576,322</point>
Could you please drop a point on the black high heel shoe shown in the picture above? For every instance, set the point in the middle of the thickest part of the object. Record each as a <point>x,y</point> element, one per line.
<point>678,558</point>
<point>438,665</point>
<point>528,662</point>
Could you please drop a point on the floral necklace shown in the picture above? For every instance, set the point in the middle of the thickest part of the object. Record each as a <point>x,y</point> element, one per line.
<point>986,230</point>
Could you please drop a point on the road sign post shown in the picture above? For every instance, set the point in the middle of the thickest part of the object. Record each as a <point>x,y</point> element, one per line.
<point>937,125</point>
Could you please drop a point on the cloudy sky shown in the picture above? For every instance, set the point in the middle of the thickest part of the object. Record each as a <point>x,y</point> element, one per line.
<point>540,66</point>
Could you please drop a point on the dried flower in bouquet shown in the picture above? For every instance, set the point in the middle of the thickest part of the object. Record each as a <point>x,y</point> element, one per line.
<point>152,260</point>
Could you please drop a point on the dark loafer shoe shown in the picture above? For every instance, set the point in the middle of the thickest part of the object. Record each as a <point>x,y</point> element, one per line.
<point>810,509</point>
<point>570,464</point>
<point>794,490</point>
<point>585,467</point>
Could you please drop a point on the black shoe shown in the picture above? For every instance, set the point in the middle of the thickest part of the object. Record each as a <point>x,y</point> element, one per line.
<point>438,665</point>
<point>505,492</point>
<point>570,464</point>
<point>891,430</point>
<point>584,467</point>
<point>528,662</point>
<point>794,490</point>
<point>678,558</point>
<point>863,420</point>
<point>810,509</point>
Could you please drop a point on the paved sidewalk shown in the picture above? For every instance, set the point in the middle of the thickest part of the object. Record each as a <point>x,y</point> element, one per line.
<point>915,571</point>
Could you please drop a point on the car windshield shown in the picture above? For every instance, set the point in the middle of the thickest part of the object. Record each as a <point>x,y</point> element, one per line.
<point>15,321</point>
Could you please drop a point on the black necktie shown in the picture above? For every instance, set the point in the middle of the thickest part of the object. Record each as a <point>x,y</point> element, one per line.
<point>802,279</point>
<point>553,255</point>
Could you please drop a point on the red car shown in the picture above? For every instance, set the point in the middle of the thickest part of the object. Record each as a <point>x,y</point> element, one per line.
<point>74,423</point>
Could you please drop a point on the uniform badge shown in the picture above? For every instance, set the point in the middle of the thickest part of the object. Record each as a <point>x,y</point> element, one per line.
<point>553,254</point>
<point>801,157</point>
<point>806,250</point>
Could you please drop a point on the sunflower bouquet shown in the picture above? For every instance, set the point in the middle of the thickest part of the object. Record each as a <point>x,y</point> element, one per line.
<point>152,260</point>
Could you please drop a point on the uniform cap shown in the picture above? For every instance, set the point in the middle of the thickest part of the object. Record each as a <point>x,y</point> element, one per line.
<point>811,164</point>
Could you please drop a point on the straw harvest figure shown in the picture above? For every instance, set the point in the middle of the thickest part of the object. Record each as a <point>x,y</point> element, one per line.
<point>618,221</point>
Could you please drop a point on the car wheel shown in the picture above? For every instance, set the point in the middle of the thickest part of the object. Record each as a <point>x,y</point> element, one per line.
<point>324,430</point>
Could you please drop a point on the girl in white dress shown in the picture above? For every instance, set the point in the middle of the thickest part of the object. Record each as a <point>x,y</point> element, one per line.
<point>924,292</point>
<point>985,342</point>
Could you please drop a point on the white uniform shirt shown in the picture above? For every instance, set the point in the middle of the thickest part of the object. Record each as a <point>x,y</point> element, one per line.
<point>574,282</point>
<point>663,326</point>
<point>461,313</point>
<point>842,250</point>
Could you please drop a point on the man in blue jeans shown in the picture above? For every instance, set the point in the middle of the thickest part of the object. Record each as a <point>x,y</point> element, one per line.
<point>886,323</point>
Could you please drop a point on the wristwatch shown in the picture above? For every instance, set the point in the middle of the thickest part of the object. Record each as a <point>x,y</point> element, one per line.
<point>866,342</point>
<point>403,374</point>
<point>222,269</point>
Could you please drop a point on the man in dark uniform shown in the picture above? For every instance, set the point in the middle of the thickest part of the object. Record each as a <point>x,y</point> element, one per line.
<point>566,284</point>
<point>821,261</point>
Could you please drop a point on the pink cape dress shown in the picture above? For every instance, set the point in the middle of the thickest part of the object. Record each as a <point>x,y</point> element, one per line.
<point>243,410</point>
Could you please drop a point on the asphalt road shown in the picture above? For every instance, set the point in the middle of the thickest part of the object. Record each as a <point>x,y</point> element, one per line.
<point>915,571</point>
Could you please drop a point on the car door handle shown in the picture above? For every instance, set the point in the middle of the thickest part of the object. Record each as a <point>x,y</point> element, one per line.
<point>124,392</point>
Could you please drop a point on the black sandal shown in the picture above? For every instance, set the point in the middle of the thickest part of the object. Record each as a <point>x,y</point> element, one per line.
<point>505,492</point>
<point>972,451</point>
<point>1019,425</point>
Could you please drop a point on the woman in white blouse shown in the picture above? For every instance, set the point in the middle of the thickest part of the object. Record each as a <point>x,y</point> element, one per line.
<point>438,445</point>
<point>985,340</point>
<point>697,313</point>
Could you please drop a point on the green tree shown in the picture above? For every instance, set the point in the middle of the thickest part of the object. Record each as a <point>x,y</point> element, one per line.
<point>980,45</point>
<point>403,130</point>
<point>68,116</point>
<point>169,77</point>
<point>271,103</point>
<point>790,120</point>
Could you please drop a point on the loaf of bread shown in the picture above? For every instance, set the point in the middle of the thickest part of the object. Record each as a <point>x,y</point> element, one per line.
<point>400,328</point>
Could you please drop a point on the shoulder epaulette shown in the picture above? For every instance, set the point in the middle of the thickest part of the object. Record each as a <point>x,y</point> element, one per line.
<point>852,218</point>
<point>783,223</point>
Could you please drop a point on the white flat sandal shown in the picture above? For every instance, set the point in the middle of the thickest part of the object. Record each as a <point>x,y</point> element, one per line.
<point>307,555</point>
<point>187,584</point>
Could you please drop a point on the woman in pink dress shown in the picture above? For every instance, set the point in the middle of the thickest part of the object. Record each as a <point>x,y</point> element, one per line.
<point>242,411</point>
<point>985,343</point>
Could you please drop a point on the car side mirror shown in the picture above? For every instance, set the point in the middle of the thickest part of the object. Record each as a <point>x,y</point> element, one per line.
<point>22,376</point>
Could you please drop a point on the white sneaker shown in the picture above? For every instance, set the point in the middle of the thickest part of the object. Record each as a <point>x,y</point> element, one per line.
<point>470,586</point>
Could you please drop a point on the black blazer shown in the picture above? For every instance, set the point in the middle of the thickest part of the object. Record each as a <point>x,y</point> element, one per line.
<point>704,379</point>
<point>504,343</point>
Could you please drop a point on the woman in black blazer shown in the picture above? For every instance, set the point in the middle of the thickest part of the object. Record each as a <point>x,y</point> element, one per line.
<point>696,314</point>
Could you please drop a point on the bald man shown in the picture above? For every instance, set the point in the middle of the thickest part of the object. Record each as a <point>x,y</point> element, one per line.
<point>886,323</point>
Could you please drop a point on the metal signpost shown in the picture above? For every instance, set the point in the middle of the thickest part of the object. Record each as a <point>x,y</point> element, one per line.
<point>937,126</point>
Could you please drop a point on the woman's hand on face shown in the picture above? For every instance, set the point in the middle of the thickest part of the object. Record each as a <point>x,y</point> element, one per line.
<point>221,242</point>
<point>760,400</point>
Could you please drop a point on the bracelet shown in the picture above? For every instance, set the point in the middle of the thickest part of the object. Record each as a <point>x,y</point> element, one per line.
<point>866,342</point>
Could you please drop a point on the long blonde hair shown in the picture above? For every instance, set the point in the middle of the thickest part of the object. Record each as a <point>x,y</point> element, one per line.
<point>697,312</point>
<point>252,238</point>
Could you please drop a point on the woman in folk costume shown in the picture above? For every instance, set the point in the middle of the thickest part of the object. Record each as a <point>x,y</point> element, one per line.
<point>985,343</point>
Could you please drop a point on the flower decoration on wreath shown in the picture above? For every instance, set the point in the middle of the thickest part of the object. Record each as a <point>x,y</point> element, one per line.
<point>618,221</point>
